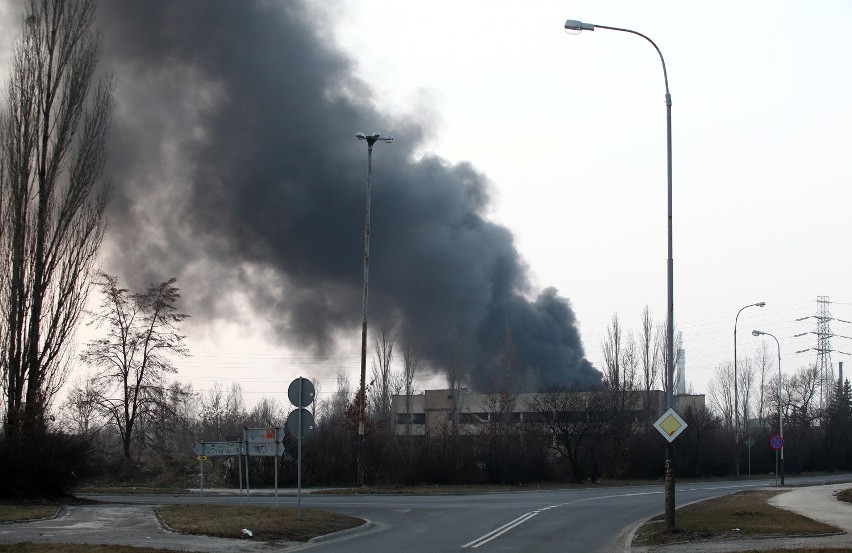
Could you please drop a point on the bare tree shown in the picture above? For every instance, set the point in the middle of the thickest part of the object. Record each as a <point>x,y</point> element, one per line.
<point>620,357</point>
<point>163,424</point>
<point>454,380</point>
<point>333,410</point>
<point>409,369</point>
<point>499,435</point>
<point>133,357</point>
<point>383,375</point>
<point>222,413</point>
<point>764,365</point>
<point>803,390</point>
<point>571,418</point>
<point>662,346</point>
<point>53,196</point>
<point>649,353</point>
<point>80,413</point>
<point>745,389</point>
<point>267,413</point>
<point>619,389</point>
<point>611,347</point>
<point>721,390</point>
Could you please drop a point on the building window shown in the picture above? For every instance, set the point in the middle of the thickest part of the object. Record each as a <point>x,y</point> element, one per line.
<point>411,418</point>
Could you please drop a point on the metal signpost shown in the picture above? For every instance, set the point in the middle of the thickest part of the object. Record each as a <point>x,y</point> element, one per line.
<point>300,422</point>
<point>203,450</point>
<point>749,442</point>
<point>264,442</point>
<point>776,442</point>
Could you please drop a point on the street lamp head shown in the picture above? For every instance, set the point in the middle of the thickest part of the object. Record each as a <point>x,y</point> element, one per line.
<point>761,304</point>
<point>579,26</point>
<point>756,333</point>
<point>374,137</point>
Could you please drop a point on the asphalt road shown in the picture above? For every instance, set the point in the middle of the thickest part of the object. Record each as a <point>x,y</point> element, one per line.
<point>588,520</point>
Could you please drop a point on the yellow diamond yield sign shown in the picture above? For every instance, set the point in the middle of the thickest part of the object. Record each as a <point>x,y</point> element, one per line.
<point>670,425</point>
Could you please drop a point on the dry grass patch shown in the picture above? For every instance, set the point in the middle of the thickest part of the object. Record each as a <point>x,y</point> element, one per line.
<point>265,523</point>
<point>20,513</point>
<point>744,514</point>
<point>845,495</point>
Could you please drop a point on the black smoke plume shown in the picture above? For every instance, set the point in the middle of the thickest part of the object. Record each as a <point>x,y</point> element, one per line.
<point>237,170</point>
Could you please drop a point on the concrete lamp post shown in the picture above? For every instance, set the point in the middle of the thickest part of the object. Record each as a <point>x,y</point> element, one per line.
<point>371,139</point>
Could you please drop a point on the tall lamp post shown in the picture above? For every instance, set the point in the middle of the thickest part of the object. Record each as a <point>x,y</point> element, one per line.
<point>736,394</point>
<point>371,139</point>
<point>573,25</point>
<point>780,412</point>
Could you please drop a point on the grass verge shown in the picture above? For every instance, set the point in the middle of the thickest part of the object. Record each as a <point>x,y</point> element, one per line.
<point>744,514</point>
<point>20,513</point>
<point>265,523</point>
<point>845,495</point>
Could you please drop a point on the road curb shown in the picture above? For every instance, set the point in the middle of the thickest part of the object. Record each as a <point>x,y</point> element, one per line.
<point>368,525</point>
<point>624,540</point>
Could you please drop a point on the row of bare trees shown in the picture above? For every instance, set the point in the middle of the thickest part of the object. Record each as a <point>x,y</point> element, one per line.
<point>814,437</point>
<point>565,434</point>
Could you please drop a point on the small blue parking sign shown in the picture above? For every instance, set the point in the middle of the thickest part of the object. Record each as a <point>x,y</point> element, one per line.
<point>776,441</point>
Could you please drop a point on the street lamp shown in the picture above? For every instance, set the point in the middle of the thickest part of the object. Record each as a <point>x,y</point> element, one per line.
<point>371,139</point>
<point>573,25</point>
<point>780,414</point>
<point>736,396</point>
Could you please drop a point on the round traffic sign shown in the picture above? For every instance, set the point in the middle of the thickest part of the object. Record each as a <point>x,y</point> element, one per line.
<point>776,442</point>
<point>307,423</point>
<point>301,392</point>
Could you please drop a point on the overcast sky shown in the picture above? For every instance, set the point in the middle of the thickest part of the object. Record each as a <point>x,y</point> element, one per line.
<point>565,137</point>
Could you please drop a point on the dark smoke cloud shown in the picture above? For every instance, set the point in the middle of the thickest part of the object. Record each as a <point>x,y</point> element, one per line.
<point>237,170</point>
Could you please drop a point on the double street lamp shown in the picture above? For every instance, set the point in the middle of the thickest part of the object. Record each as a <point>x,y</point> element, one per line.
<point>736,394</point>
<point>780,412</point>
<point>573,25</point>
<point>371,139</point>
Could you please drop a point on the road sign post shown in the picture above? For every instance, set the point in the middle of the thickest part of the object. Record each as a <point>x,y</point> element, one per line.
<point>203,450</point>
<point>749,442</point>
<point>301,394</point>
<point>201,465</point>
<point>264,442</point>
<point>670,426</point>
<point>776,442</point>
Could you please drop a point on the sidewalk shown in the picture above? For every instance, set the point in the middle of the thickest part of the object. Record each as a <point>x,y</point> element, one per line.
<point>816,502</point>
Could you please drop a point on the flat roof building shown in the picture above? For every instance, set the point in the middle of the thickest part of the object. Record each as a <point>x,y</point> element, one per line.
<point>431,411</point>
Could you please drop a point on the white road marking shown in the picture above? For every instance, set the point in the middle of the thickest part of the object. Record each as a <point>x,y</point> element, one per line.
<point>500,531</point>
<point>523,518</point>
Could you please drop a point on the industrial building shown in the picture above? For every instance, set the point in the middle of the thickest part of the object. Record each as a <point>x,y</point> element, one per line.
<point>431,411</point>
